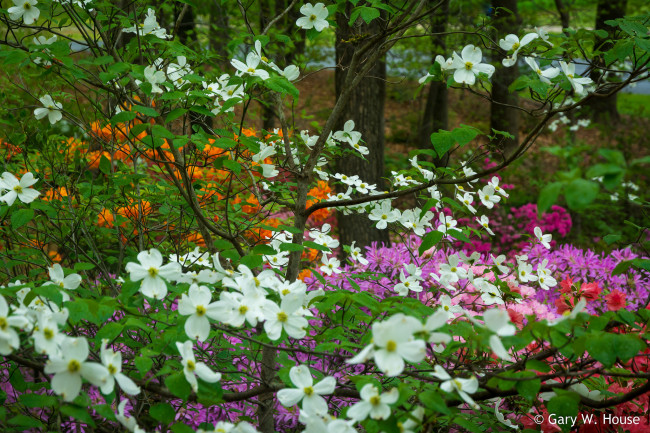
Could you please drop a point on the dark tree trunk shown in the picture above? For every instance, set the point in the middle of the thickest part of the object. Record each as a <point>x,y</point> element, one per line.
<point>186,31</point>
<point>266,101</point>
<point>502,116</point>
<point>219,34</point>
<point>604,109</point>
<point>563,10</point>
<point>366,108</point>
<point>436,109</point>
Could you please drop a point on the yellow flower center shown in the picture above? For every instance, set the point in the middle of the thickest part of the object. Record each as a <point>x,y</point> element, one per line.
<point>285,292</point>
<point>375,400</point>
<point>312,18</point>
<point>446,307</point>
<point>458,384</point>
<point>74,366</point>
<point>384,217</point>
<point>27,6</point>
<point>153,272</point>
<point>257,281</point>
<point>282,317</point>
<point>191,366</point>
<point>469,66</point>
<point>243,309</point>
<point>18,189</point>
<point>200,310</point>
<point>454,269</point>
<point>515,45</point>
<point>391,346</point>
<point>112,369</point>
<point>3,323</point>
<point>251,70</point>
<point>308,390</point>
<point>48,333</point>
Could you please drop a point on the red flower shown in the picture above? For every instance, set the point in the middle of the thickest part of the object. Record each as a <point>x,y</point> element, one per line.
<point>590,291</point>
<point>566,286</point>
<point>615,300</point>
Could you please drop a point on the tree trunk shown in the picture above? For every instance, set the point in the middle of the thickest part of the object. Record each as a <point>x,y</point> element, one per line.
<point>366,108</point>
<point>563,10</point>
<point>219,34</point>
<point>502,116</point>
<point>604,109</point>
<point>436,109</point>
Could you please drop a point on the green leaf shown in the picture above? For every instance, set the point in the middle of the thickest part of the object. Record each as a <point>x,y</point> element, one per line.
<point>25,421</point>
<point>104,165</point>
<point>21,217</point>
<point>528,389</point>
<point>536,365</point>
<point>109,331</point>
<point>162,412</point>
<point>291,247</point>
<point>434,401</point>
<point>606,348</point>
<point>580,193</point>
<point>83,266</point>
<point>464,134</point>
<point>564,406</point>
<point>611,238</point>
<point>281,85</point>
<point>548,196</point>
<point>38,400</point>
<point>143,364</point>
<point>429,240</point>
<point>314,245</point>
<point>78,413</point>
<point>147,111</point>
<point>123,116</point>
<point>252,261</point>
<point>182,428</point>
<point>178,385</point>
<point>175,114</point>
<point>458,235</point>
<point>232,165</point>
<point>442,142</point>
<point>368,14</point>
<point>264,249</point>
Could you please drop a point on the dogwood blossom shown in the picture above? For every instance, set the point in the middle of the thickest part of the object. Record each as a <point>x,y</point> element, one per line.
<point>542,238</point>
<point>149,27</point>
<point>384,214</point>
<point>57,278</point>
<point>373,403</point>
<point>546,75</point>
<point>287,316</point>
<point>18,188</point>
<point>196,304</point>
<point>9,339</point>
<point>393,343</point>
<point>468,65</point>
<point>154,77</point>
<point>577,82</point>
<point>484,221</point>
<point>251,66</point>
<point>356,256</point>
<point>498,321</point>
<point>450,309</point>
<point>113,363</point>
<point>152,273</point>
<point>71,366</point>
<point>50,108</point>
<point>348,134</point>
<point>25,9</point>
<point>488,197</point>
<point>512,43</point>
<point>452,271</point>
<point>464,387</point>
<point>315,17</point>
<point>306,391</point>
<point>191,368</point>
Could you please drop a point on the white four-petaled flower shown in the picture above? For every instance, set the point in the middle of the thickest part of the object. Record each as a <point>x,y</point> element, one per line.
<point>191,368</point>
<point>152,273</point>
<point>19,189</point>
<point>50,108</point>
<point>306,391</point>
<point>315,17</point>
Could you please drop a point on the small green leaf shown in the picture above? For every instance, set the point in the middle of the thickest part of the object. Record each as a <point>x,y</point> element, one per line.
<point>143,364</point>
<point>147,111</point>
<point>162,412</point>
<point>548,196</point>
<point>123,116</point>
<point>21,217</point>
<point>429,240</point>
<point>178,385</point>
<point>291,247</point>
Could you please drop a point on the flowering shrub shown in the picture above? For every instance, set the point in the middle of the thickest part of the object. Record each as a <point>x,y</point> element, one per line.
<point>198,283</point>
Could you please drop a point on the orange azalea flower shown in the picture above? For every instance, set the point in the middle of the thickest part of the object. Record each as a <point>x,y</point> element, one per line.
<point>95,157</point>
<point>305,273</point>
<point>105,219</point>
<point>54,256</point>
<point>252,205</point>
<point>196,239</point>
<point>55,194</point>
<point>11,150</point>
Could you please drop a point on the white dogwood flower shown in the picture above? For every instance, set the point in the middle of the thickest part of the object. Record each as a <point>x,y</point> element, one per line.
<point>546,75</point>
<point>9,339</point>
<point>464,387</point>
<point>191,368</point>
<point>50,108</point>
<point>311,395</point>
<point>71,366</point>
<point>152,273</point>
<point>315,17</point>
<point>577,82</point>
<point>196,304</point>
<point>542,238</point>
<point>468,65</point>
<point>25,9</point>
<point>113,363</point>
<point>19,189</point>
<point>373,403</point>
<point>287,316</point>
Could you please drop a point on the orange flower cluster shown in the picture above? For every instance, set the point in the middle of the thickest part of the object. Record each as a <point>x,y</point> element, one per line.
<point>55,194</point>
<point>105,218</point>
<point>9,150</point>
<point>320,192</point>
